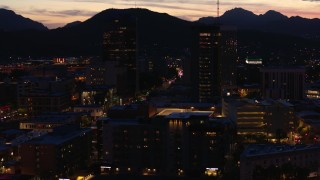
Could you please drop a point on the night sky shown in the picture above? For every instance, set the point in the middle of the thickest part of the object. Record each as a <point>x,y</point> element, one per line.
<point>56,13</point>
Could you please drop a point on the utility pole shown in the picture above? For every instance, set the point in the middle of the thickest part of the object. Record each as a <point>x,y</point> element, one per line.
<point>137,90</point>
<point>218,11</point>
<point>218,8</point>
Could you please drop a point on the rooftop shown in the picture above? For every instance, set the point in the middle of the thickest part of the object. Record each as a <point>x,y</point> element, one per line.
<point>12,132</point>
<point>88,106</point>
<point>125,107</point>
<point>26,79</point>
<point>125,122</point>
<point>49,120</point>
<point>97,88</point>
<point>27,137</point>
<point>286,103</point>
<point>183,105</point>
<point>169,111</point>
<point>264,102</point>
<point>3,147</point>
<point>60,136</point>
<point>187,115</point>
<point>283,69</point>
<point>257,150</point>
<point>309,115</point>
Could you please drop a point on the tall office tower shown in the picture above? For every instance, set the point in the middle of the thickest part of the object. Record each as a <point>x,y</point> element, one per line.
<point>249,73</point>
<point>120,46</point>
<point>283,82</point>
<point>206,63</point>
<point>96,74</point>
<point>228,58</point>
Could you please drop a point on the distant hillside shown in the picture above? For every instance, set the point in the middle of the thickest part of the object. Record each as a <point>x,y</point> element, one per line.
<point>271,21</point>
<point>86,38</point>
<point>153,27</point>
<point>10,21</point>
<point>75,23</point>
<point>158,31</point>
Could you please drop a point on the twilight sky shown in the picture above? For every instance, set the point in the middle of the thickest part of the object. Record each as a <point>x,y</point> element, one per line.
<point>56,13</point>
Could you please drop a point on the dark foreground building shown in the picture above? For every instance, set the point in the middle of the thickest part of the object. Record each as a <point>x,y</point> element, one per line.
<point>179,144</point>
<point>276,161</point>
<point>58,154</point>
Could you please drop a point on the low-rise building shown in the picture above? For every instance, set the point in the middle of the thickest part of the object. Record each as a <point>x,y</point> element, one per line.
<point>95,111</point>
<point>47,122</point>
<point>57,154</point>
<point>257,158</point>
<point>138,110</point>
<point>268,118</point>
<point>248,115</point>
<point>177,144</point>
<point>44,94</point>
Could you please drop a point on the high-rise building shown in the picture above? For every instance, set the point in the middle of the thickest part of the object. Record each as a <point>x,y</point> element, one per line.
<point>228,58</point>
<point>96,74</point>
<point>213,61</point>
<point>205,65</point>
<point>248,73</point>
<point>283,82</point>
<point>120,46</point>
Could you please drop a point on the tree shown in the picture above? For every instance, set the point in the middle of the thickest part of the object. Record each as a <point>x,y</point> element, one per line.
<point>280,134</point>
<point>286,171</point>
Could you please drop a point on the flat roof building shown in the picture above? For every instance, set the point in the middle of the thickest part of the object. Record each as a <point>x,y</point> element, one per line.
<point>57,154</point>
<point>259,157</point>
<point>283,82</point>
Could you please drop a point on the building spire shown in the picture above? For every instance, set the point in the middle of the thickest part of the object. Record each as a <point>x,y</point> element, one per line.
<point>218,11</point>
<point>137,90</point>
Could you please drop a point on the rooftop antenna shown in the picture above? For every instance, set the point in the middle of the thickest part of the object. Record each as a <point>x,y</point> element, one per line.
<point>218,11</point>
<point>137,89</point>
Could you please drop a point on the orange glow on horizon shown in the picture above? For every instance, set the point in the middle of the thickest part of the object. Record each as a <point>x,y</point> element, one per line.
<point>55,14</point>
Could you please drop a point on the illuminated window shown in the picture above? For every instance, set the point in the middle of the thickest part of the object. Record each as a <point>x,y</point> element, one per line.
<point>211,133</point>
<point>205,34</point>
<point>211,171</point>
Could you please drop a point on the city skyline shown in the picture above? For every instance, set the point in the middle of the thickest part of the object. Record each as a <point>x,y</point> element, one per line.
<point>135,92</point>
<point>55,14</point>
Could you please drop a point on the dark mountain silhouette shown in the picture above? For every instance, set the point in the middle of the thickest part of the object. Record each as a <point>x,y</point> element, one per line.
<point>10,21</point>
<point>238,17</point>
<point>272,15</point>
<point>150,24</point>
<point>86,38</point>
<point>156,30</point>
<point>75,23</point>
<point>271,21</point>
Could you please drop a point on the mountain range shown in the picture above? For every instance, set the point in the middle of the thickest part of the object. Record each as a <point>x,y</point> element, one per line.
<point>24,37</point>
<point>271,21</point>
<point>10,21</point>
